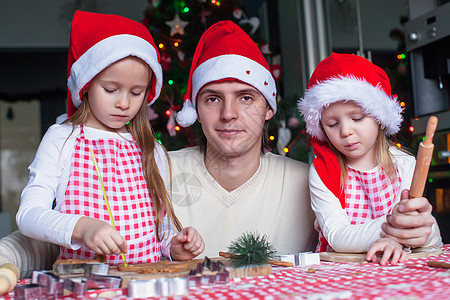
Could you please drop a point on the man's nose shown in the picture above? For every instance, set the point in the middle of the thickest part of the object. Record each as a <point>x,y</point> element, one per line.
<point>229,110</point>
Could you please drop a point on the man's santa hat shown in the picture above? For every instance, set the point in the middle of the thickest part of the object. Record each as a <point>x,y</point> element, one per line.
<point>226,51</point>
<point>350,77</point>
<point>345,77</point>
<point>99,40</point>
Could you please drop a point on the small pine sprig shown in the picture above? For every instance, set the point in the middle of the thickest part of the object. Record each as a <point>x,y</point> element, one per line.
<point>251,249</point>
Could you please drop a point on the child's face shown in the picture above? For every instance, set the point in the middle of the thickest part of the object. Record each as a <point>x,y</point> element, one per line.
<point>116,94</point>
<point>232,115</point>
<point>352,132</point>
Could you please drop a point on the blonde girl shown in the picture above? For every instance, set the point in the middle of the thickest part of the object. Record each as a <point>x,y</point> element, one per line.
<point>105,153</point>
<point>358,175</point>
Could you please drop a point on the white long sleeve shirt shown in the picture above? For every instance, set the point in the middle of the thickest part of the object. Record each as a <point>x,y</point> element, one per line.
<point>333,219</point>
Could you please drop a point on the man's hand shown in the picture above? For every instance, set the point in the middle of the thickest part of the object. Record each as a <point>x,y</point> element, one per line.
<point>409,222</point>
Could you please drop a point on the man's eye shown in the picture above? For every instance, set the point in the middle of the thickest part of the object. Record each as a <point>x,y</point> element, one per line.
<point>212,99</point>
<point>247,98</point>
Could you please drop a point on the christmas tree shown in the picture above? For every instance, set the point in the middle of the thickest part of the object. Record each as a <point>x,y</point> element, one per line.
<point>176,27</point>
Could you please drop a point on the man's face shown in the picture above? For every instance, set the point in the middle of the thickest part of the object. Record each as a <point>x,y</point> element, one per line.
<point>232,116</point>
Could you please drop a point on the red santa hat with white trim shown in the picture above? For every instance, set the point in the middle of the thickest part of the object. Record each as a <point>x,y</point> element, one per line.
<point>226,51</point>
<point>350,77</point>
<point>99,40</point>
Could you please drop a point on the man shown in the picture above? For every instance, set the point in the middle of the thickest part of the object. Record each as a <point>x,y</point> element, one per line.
<point>229,186</point>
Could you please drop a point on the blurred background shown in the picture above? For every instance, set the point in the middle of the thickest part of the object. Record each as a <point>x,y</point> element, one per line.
<point>409,39</point>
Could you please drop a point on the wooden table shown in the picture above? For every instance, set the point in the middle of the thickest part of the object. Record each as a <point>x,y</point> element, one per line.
<point>411,280</point>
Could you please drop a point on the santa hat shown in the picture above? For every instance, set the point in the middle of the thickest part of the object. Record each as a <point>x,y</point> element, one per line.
<point>99,40</point>
<point>226,51</point>
<point>350,77</point>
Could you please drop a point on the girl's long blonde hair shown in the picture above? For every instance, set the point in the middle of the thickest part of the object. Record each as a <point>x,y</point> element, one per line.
<point>142,131</point>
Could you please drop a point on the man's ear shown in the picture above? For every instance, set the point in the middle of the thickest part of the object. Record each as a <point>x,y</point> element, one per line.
<point>269,113</point>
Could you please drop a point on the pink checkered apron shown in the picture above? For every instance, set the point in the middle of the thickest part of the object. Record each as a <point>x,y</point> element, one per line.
<point>120,165</point>
<point>368,196</point>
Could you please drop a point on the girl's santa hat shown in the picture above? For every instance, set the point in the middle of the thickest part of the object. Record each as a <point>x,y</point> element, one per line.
<point>226,51</point>
<point>99,40</point>
<point>350,77</point>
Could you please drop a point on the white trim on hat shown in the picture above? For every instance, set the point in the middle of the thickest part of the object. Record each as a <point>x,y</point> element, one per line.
<point>100,56</point>
<point>373,99</point>
<point>238,67</point>
<point>228,66</point>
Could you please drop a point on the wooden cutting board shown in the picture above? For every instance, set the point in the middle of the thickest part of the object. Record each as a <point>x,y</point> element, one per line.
<point>361,257</point>
<point>160,269</point>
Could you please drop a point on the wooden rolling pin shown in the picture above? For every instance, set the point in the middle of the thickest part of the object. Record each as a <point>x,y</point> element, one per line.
<point>9,274</point>
<point>424,154</point>
<point>438,264</point>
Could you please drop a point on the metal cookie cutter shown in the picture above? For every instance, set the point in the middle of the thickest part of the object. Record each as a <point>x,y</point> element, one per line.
<point>97,281</point>
<point>208,273</point>
<point>159,287</point>
<point>76,286</point>
<point>79,286</point>
<point>54,286</point>
<point>28,291</point>
<point>83,268</point>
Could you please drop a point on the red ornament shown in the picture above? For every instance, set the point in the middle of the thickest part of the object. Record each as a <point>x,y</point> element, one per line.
<point>166,59</point>
<point>276,72</point>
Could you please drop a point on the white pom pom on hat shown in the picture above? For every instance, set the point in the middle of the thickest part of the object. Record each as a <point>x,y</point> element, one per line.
<point>99,40</point>
<point>350,77</point>
<point>226,51</point>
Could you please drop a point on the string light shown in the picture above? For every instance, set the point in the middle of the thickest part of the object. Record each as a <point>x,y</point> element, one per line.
<point>271,137</point>
<point>430,180</point>
<point>177,128</point>
<point>411,128</point>
<point>402,104</point>
<point>168,112</point>
<point>176,44</point>
<point>186,9</point>
<point>401,56</point>
<point>286,150</point>
<point>399,145</point>
<point>170,81</point>
<point>161,45</point>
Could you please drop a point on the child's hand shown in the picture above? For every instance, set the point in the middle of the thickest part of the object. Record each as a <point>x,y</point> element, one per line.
<point>99,236</point>
<point>187,244</point>
<point>390,249</point>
